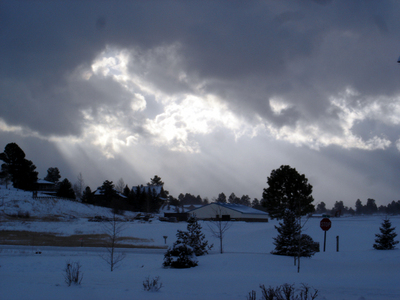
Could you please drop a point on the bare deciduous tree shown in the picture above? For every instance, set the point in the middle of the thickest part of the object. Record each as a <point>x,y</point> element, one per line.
<point>79,185</point>
<point>218,226</point>
<point>113,229</point>
<point>120,185</point>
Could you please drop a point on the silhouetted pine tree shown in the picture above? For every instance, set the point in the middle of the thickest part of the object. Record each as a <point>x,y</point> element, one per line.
<point>385,240</point>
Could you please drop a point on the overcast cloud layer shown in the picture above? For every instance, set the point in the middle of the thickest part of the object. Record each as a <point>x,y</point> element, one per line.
<point>209,95</point>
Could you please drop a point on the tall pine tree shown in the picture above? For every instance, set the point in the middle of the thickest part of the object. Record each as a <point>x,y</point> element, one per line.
<point>65,190</point>
<point>18,168</point>
<point>385,240</point>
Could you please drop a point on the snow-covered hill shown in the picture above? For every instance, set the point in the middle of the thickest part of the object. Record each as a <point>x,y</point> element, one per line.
<point>14,202</point>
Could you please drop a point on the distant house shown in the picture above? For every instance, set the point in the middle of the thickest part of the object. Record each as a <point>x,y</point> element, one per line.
<point>184,214</point>
<point>46,187</point>
<point>228,211</point>
<point>99,193</point>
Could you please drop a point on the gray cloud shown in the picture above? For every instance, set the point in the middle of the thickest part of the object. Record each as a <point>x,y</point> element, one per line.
<point>331,65</point>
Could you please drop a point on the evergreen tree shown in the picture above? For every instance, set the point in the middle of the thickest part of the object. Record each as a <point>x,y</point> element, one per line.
<point>194,237</point>
<point>173,201</point>
<point>287,190</point>
<point>53,175</point>
<point>21,170</point>
<point>233,199</point>
<point>245,200</point>
<point>287,242</point>
<point>339,209</point>
<point>371,207</point>
<point>87,196</point>
<point>65,190</point>
<point>137,199</point>
<point>385,240</point>
<point>221,198</point>
<point>321,208</point>
<point>256,204</point>
<point>126,191</point>
<point>154,200</point>
<point>359,207</point>
<point>156,180</point>
<point>108,192</point>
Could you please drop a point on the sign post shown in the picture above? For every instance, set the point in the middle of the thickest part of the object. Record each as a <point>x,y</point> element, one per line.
<point>325,225</point>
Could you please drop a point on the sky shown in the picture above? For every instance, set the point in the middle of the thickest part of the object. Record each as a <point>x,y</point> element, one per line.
<point>209,95</point>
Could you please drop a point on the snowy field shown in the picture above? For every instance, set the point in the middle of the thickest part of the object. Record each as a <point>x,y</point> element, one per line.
<point>356,272</point>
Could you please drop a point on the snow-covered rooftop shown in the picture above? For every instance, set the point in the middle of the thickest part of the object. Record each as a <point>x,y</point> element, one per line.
<point>98,192</point>
<point>238,207</point>
<point>242,208</point>
<point>42,181</point>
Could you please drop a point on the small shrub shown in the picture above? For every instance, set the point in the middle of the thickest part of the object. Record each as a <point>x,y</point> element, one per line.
<point>152,285</point>
<point>285,292</point>
<point>180,256</point>
<point>72,273</point>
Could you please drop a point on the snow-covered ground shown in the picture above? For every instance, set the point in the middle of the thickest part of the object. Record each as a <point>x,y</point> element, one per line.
<point>356,272</point>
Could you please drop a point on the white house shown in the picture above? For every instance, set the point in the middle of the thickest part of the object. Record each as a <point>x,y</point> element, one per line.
<point>227,211</point>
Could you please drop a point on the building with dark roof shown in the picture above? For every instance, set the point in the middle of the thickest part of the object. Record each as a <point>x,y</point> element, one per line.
<point>228,211</point>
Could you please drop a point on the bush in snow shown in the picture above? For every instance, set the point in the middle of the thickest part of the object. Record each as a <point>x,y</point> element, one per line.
<point>180,256</point>
<point>285,292</point>
<point>152,285</point>
<point>194,237</point>
<point>385,240</point>
<point>72,273</point>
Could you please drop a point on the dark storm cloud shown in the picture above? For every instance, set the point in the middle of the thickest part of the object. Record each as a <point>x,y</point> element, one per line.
<point>303,53</point>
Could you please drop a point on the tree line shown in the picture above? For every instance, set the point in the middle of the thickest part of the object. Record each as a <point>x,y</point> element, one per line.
<point>287,189</point>
<point>369,208</point>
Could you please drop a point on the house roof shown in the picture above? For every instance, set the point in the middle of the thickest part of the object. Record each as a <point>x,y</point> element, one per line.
<point>193,205</point>
<point>237,207</point>
<point>98,192</point>
<point>42,181</point>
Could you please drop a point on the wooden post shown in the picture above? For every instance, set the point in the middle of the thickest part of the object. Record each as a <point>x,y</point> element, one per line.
<point>337,243</point>
<point>324,240</point>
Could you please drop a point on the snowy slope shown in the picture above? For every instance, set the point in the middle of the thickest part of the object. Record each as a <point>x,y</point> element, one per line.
<point>14,201</point>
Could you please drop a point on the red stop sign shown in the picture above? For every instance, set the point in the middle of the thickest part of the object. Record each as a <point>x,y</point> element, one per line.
<point>325,224</point>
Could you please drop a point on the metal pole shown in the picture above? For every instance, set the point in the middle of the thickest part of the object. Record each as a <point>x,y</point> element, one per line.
<point>324,240</point>
<point>337,243</point>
